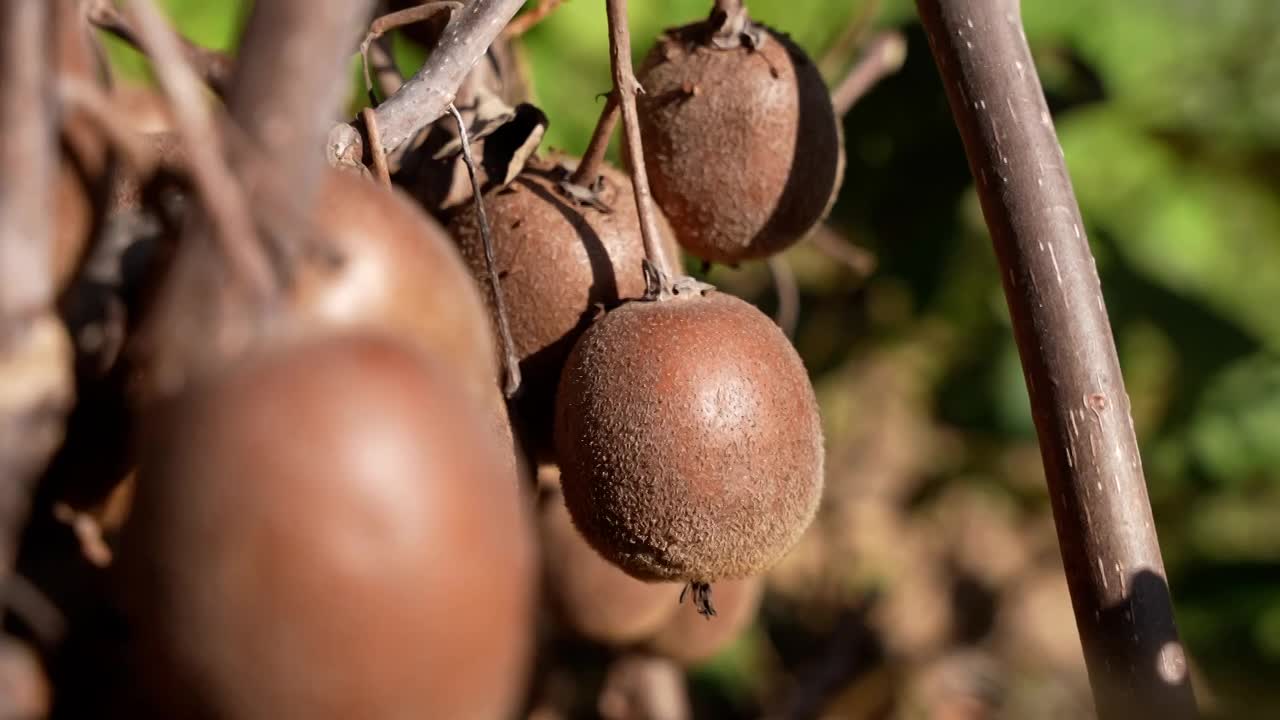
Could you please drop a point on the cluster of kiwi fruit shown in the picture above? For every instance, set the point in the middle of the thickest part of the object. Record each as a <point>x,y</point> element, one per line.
<point>318,502</point>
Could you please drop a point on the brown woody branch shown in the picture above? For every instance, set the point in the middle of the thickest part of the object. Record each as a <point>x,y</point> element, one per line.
<point>213,67</point>
<point>1108,541</point>
<point>425,97</point>
<point>290,82</point>
<point>27,152</point>
<point>883,56</point>
<point>625,88</point>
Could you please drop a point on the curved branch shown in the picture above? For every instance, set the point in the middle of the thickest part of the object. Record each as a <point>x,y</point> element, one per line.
<point>425,97</point>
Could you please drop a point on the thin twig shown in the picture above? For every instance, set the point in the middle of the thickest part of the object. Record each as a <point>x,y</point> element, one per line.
<point>526,22</point>
<point>884,56</point>
<point>213,67</point>
<point>644,686</point>
<point>194,123</point>
<point>78,94</point>
<point>425,97</point>
<point>1106,534</point>
<point>29,432</point>
<point>626,87</point>
<point>729,7</point>
<point>829,242</point>
<point>379,157</point>
<point>589,167</point>
<point>510,360</point>
<point>387,77</point>
<point>392,21</point>
<point>850,38</point>
<point>784,281</point>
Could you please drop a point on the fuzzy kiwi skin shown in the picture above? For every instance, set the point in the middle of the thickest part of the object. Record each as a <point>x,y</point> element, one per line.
<point>689,638</point>
<point>689,439</point>
<point>590,595</point>
<point>559,262</point>
<point>322,531</point>
<point>743,147</point>
<point>400,271</point>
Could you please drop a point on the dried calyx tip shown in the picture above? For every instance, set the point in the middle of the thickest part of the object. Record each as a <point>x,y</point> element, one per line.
<point>701,598</point>
<point>658,286</point>
<point>731,27</point>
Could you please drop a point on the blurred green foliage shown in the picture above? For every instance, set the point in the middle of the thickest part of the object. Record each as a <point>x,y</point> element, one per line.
<point>1169,114</point>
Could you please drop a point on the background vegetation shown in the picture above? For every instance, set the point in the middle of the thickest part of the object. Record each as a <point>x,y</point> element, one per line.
<point>931,573</point>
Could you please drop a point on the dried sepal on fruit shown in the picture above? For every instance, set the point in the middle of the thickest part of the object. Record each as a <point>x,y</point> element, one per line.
<point>690,638</point>
<point>743,148</point>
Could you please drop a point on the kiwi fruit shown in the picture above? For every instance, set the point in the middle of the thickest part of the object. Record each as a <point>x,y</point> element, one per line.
<point>387,263</point>
<point>560,261</point>
<point>590,595</point>
<point>321,530</point>
<point>743,148</point>
<point>395,268</point>
<point>24,690</point>
<point>689,638</point>
<point>689,439</point>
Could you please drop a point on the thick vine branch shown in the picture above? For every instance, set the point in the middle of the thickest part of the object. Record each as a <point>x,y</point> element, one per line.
<point>1114,569</point>
<point>425,97</point>
<point>27,151</point>
<point>290,81</point>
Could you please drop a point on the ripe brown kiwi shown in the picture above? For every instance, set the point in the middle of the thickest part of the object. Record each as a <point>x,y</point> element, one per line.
<point>690,638</point>
<point>743,148</point>
<point>395,268</point>
<point>321,530</point>
<point>24,690</point>
<point>399,271</point>
<point>559,261</point>
<point>589,594</point>
<point>689,439</point>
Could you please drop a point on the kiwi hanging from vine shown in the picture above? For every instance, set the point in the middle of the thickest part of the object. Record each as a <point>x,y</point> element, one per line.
<point>321,530</point>
<point>562,255</point>
<point>689,439</point>
<point>743,148</point>
<point>589,595</point>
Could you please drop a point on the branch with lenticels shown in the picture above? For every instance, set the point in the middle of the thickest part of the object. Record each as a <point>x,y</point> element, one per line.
<point>425,97</point>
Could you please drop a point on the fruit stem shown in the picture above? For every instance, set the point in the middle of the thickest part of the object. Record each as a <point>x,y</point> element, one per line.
<point>290,82</point>
<point>510,361</point>
<point>589,167</point>
<point>729,7</point>
<point>784,281</point>
<point>27,151</point>
<point>217,187</point>
<point>626,87</point>
<point>883,56</point>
